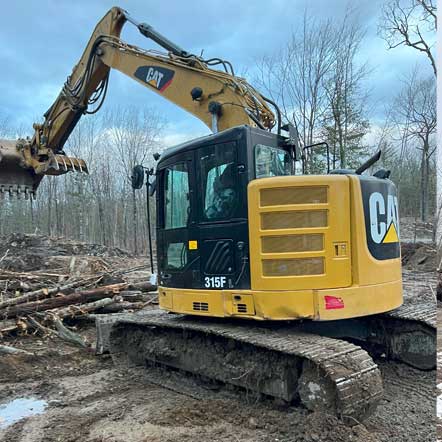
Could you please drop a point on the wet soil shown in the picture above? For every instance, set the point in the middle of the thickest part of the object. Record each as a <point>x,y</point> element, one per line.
<point>90,400</point>
<point>439,374</point>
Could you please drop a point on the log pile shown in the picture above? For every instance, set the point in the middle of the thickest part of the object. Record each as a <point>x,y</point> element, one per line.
<point>44,310</point>
<point>439,285</point>
<point>48,301</point>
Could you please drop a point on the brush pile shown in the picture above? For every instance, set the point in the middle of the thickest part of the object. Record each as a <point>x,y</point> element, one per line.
<point>47,284</point>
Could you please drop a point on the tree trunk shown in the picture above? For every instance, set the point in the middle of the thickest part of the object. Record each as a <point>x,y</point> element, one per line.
<point>427,179</point>
<point>31,203</point>
<point>41,293</point>
<point>134,222</point>
<point>423,188</point>
<point>49,200</point>
<point>76,310</point>
<point>101,222</point>
<point>61,301</point>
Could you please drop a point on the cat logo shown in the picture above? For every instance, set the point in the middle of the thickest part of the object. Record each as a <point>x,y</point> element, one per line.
<point>384,226</point>
<point>381,214</point>
<point>155,76</point>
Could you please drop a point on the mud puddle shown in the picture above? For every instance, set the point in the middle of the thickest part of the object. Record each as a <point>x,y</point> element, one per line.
<point>20,408</point>
<point>439,401</point>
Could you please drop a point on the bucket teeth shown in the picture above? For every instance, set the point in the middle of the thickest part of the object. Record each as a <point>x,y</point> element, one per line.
<point>20,180</point>
<point>16,180</point>
<point>63,164</point>
<point>16,191</point>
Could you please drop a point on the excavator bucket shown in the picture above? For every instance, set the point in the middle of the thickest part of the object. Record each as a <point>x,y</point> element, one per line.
<point>18,180</point>
<point>15,179</point>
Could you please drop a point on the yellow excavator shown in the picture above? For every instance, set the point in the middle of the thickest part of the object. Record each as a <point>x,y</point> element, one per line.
<point>276,280</point>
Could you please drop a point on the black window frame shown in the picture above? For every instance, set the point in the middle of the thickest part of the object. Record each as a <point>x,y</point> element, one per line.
<point>200,199</point>
<point>163,205</point>
<point>256,144</point>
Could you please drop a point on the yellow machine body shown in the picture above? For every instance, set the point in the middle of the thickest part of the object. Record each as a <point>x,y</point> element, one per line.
<point>308,252</point>
<point>309,257</point>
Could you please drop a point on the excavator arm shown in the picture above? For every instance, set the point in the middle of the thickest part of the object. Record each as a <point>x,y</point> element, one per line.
<point>218,98</point>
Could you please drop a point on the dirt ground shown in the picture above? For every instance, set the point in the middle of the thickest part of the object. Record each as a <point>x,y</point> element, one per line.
<point>89,400</point>
<point>439,375</point>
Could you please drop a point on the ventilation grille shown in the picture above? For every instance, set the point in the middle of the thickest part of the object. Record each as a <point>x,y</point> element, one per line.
<point>241,308</point>
<point>293,195</point>
<point>293,243</point>
<point>293,267</point>
<point>294,220</point>
<point>295,225</point>
<point>200,307</point>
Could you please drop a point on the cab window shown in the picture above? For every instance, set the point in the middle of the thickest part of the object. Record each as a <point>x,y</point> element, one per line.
<point>176,196</point>
<point>271,161</point>
<point>176,256</point>
<point>218,171</point>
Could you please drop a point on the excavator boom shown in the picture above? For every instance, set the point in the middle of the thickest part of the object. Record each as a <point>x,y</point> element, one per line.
<point>220,99</point>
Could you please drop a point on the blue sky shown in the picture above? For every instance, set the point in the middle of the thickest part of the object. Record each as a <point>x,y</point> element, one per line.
<point>41,42</point>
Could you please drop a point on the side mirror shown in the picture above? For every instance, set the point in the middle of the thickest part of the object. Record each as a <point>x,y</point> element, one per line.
<point>137,177</point>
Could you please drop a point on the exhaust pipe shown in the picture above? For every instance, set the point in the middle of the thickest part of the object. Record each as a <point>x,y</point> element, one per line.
<point>368,163</point>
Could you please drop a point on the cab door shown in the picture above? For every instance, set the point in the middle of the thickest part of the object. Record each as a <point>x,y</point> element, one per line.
<point>174,209</point>
<point>222,216</point>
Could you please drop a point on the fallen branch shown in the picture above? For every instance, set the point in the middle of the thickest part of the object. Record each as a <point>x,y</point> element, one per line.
<point>30,275</point>
<point>68,335</point>
<point>16,285</point>
<point>120,307</point>
<point>130,270</point>
<point>4,256</point>
<point>13,351</point>
<point>61,301</point>
<point>43,293</point>
<point>134,296</point>
<point>116,307</point>
<point>144,286</point>
<point>62,332</point>
<point>9,326</point>
<point>35,324</point>
<point>75,310</point>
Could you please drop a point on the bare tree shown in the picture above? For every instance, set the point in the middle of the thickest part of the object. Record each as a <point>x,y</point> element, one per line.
<point>294,76</point>
<point>346,120</point>
<point>317,83</point>
<point>415,116</point>
<point>99,207</point>
<point>408,22</point>
<point>88,141</point>
<point>133,137</point>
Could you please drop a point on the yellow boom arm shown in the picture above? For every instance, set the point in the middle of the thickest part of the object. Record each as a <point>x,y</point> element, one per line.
<point>219,99</point>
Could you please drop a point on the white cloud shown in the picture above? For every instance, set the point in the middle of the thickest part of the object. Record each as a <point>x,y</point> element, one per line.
<point>174,139</point>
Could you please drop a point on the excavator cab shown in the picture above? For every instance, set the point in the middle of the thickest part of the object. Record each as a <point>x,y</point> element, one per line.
<point>240,234</point>
<point>202,205</point>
